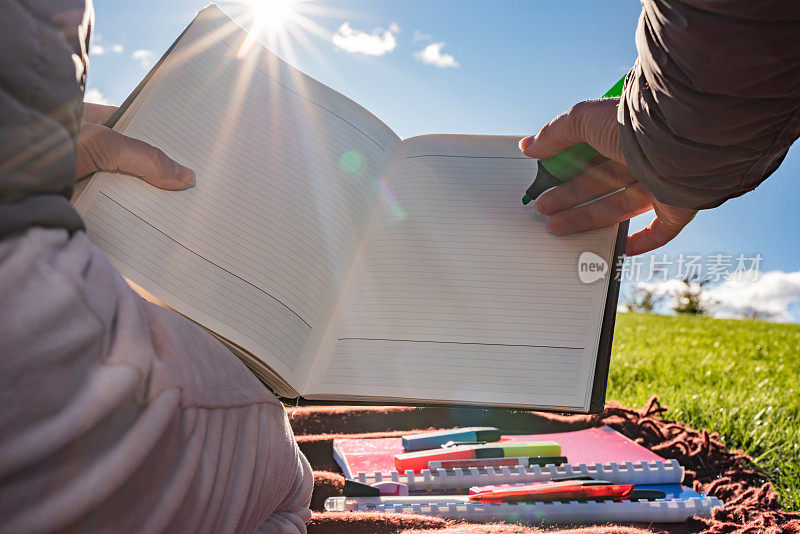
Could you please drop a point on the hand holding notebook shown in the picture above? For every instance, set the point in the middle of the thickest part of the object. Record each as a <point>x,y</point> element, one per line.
<point>367,269</point>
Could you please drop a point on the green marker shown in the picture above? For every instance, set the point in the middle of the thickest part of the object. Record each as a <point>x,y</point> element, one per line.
<point>563,167</point>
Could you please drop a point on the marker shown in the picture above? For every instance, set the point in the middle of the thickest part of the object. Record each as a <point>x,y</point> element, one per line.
<point>519,485</point>
<point>525,461</point>
<point>433,440</point>
<point>555,491</point>
<point>563,167</point>
<point>571,490</point>
<point>417,461</point>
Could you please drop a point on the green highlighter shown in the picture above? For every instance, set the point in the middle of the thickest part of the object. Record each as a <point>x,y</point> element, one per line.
<point>563,167</point>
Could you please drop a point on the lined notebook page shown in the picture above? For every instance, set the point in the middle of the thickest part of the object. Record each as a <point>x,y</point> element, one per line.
<point>259,249</point>
<point>461,294</point>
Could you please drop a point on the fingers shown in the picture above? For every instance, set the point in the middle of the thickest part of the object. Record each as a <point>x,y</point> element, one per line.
<point>605,194</point>
<point>669,222</point>
<point>102,149</point>
<point>593,122</point>
<point>612,209</point>
<point>97,113</point>
<point>591,183</point>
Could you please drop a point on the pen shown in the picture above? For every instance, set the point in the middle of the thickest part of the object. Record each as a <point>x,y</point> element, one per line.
<point>635,495</point>
<point>417,461</point>
<point>516,485</point>
<point>563,167</point>
<point>525,461</point>
<point>554,491</point>
<point>432,440</point>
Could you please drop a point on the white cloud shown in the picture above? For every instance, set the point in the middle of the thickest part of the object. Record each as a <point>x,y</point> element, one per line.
<point>377,43</point>
<point>145,57</point>
<point>94,96</point>
<point>433,55</point>
<point>100,47</point>
<point>770,296</point>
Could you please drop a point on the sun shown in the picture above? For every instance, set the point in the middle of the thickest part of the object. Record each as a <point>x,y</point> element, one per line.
<point>268,21</point>
<point>282,25</point>
<point>272,15</point>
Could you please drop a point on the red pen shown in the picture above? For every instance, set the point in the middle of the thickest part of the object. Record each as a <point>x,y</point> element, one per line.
<point>572,490</point>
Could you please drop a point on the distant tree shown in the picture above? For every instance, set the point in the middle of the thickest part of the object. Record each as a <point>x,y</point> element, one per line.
<point>757,315</point>
<point>643,299</point>
<point>692,298</point>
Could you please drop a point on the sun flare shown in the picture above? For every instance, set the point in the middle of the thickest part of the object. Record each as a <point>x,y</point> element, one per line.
<point>283,25</point>
<point>272,15</point>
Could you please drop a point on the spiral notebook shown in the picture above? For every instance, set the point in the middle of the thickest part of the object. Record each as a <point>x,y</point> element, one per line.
<point>680,504</point>
<point>594,445</point>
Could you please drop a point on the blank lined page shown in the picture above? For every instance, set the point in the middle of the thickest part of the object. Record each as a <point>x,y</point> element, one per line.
<point>258,250</point>
<point>461,294</point>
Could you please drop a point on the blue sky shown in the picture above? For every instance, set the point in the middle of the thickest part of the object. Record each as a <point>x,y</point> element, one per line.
<point>520,63</point>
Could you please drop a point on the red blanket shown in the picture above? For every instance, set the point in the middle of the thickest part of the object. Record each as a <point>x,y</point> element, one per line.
<point>751,506</point>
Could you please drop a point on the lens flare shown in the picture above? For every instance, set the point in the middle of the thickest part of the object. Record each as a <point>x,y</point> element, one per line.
<point>351,162</point>
<point>390,200</point>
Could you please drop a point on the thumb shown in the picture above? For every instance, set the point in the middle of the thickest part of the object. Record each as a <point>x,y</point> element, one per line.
<point>658,234</point>
<point>103,149</point>
<point>97,113</point>
<point>593,122</point>
<point>669,222</point>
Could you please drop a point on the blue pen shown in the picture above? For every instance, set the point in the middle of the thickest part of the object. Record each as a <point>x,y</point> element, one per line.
<point>434,440</point>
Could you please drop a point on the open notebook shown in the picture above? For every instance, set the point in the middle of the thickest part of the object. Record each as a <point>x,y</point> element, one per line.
<point>339,261</point>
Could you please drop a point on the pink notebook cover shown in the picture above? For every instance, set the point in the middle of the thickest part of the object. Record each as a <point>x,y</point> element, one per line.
<point>598,444</point>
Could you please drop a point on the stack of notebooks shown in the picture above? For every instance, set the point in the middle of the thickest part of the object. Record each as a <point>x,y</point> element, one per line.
<point>594,475</point>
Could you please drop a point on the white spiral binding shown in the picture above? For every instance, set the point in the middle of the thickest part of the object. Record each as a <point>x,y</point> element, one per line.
<point>653,472</point>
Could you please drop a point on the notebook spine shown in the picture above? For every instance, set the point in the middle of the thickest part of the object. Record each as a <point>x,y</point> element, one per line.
<point>654,472</point>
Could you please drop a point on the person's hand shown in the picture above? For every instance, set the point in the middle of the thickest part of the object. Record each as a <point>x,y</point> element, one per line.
<point>595,122</point>
<point>102,149</point>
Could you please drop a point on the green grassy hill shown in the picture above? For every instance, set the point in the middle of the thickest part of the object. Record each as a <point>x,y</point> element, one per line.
<point>738,378</point>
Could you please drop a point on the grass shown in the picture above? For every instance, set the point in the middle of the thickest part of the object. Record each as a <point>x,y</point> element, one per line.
<point>738,378</point>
